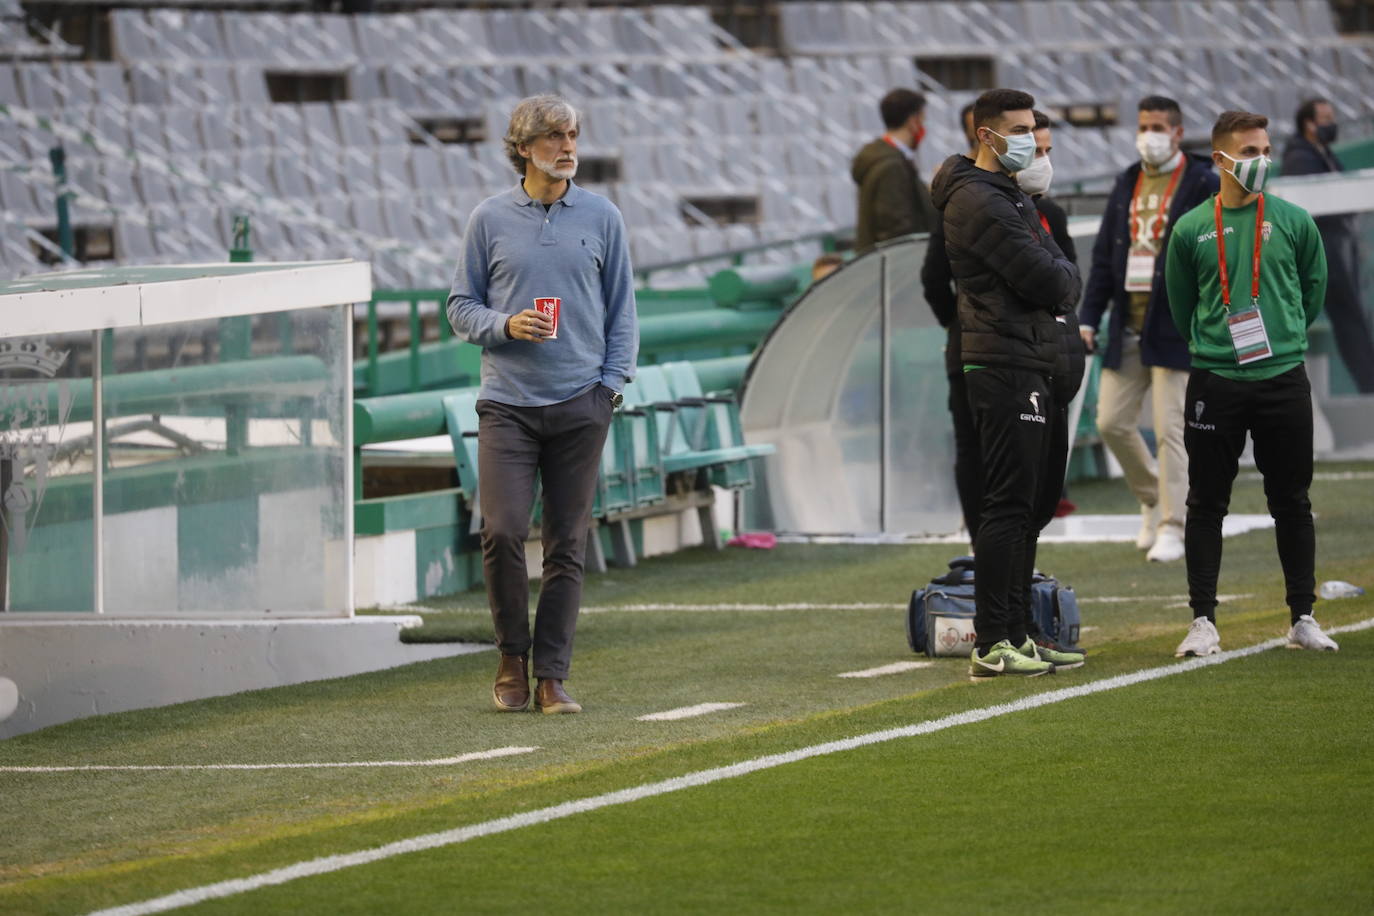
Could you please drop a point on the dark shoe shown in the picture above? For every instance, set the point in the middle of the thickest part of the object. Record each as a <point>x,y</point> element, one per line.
<point>1045,642</point>
<point>552,698</point>
<point>511,692</point>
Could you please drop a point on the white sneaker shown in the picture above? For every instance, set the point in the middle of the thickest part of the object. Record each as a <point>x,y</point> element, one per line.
<point>1307,634</point>
<point>1168,545</point>
<point>1202,639</point>
<point>1149,525</point>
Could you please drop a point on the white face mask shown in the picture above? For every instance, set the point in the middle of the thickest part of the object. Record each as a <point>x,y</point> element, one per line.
<point>1155,147</point>
<point>1036,177</point>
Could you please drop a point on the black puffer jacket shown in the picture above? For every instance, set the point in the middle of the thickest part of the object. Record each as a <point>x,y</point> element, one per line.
<point>1012,277</point>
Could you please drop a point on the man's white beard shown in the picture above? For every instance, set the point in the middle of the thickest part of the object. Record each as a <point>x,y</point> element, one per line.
<point>549,167</point>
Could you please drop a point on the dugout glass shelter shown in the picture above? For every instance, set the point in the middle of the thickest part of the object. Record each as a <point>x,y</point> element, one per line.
<point>850,386</point>
<point>175,441</point>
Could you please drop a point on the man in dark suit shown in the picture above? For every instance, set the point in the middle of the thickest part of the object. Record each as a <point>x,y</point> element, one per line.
<point>1142,352</point>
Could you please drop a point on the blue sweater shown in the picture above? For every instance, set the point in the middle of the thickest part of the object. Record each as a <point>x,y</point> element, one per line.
<point>516,250</point>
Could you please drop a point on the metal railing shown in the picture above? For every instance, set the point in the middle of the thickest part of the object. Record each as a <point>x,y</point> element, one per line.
<point>413,298</point>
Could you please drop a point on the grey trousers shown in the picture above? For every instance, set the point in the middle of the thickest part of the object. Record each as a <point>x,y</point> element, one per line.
<point>561,443</point>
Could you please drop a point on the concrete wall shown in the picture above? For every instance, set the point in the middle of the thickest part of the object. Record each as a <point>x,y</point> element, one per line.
<point>69,669</point>
<point>400,567</point>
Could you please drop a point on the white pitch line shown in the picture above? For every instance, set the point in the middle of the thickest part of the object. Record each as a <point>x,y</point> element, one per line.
<point>858,606</point>
<point>1145,599</point>
<point>688,712</point>
<point>440,762</point>
<point>894,668</point>
<point>794,606</point>
<point>327,864</point>
<point>421,609</point>
<point>1334,476</point>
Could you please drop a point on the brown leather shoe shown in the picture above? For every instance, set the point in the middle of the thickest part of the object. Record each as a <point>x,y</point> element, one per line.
<point>552,698</point>
<point>511,692</point>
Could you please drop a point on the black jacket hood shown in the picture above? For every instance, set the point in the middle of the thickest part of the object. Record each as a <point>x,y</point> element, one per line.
<point>957,171</point>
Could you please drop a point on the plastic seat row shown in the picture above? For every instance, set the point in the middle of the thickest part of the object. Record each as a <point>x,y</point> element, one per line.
<point>668,427</point>
<point>309,39</point>
<point>427,85</point>
<point>179,130</point>
<point>17,252</point>
<point>729,95</point>
<point>398,172</point>
<point>962,27</point>
<point>1338,73</point>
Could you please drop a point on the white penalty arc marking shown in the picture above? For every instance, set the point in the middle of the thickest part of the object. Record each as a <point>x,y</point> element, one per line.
<point>439,762</point>
<point>792,606</point>
<point>894,668</point>
<point>328,864</point>
<point>689,712</point>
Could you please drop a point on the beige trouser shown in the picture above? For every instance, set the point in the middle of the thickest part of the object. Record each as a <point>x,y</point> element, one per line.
<point>1120,395</point>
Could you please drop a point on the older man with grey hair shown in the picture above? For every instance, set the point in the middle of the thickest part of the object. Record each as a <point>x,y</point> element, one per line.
<point>552,375</point>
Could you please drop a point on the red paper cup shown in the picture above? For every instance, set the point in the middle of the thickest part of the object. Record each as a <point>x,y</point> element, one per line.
<point>548,305</point>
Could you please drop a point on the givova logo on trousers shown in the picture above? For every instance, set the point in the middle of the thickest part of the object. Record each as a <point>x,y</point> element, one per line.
<point>1196,422</point>
<point>1037,416</point>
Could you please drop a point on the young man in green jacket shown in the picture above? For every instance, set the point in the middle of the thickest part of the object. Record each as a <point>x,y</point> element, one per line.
<point>1246,276</point>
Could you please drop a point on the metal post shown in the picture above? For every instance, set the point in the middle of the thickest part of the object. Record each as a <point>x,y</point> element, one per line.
<point>416,330</point>
<point>445,329</point>
<point>374,369</point>
<point>6,475</point>
<point>66,239</point>
<point>884,392</point>
<point>242,245</point>
<point>286,333</point>
<point>352,454</point>
<point>98,468</point>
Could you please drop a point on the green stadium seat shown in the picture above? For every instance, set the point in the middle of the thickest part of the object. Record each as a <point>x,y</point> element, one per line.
<point>615,483</point>
<point>460,412</point>
<point>636,431</point>
<point>714,426</point>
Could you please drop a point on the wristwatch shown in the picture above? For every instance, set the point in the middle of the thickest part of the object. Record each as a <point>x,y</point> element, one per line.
<point>617,399</point>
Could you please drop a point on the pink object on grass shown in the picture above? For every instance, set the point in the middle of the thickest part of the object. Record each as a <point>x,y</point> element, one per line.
<point>759,540</point>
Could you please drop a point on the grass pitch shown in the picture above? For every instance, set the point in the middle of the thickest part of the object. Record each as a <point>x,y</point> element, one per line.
<point>1235,788</point>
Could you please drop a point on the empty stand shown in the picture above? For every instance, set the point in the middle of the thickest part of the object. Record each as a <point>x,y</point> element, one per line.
<point>329,129</point>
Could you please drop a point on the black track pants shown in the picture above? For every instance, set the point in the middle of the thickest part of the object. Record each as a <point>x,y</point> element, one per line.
<point>1012,412</point>
<point>1277,412</point>
<point>968,457</point>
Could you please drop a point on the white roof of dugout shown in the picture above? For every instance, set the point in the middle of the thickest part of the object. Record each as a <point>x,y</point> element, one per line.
<point>123,297</point>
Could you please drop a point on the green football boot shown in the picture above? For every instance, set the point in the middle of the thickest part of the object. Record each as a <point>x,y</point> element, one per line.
<point>1004,659</point>
<point>1057,657</point>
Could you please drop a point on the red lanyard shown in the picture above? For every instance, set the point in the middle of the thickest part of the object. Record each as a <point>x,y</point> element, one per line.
<point>1163,202</point>
<point>1255,262</point>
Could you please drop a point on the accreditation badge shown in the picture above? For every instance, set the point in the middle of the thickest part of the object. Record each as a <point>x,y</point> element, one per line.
<point>1140,270</point>
<point>1248,336</point>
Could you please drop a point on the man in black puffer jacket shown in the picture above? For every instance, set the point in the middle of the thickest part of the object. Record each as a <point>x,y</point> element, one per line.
<point>937,282</point>
<point>1013,283</point>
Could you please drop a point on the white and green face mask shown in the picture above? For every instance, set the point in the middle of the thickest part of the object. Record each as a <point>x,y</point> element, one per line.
<point>1250,174</point>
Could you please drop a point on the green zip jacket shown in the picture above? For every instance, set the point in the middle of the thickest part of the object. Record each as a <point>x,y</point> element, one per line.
<point>1292,283</point>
